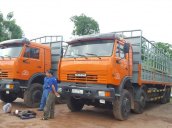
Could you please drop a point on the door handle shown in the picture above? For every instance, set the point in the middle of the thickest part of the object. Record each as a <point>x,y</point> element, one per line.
<point>39,67</point>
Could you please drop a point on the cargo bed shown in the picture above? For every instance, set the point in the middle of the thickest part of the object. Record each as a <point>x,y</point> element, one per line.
<point>151,65</point>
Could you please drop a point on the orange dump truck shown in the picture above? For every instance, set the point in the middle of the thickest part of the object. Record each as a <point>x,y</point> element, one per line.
<point>22,67</point>
<point>119,70</point>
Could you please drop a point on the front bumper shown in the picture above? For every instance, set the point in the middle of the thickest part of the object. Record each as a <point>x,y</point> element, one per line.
<point>11,86</point>
<point>90,91</point>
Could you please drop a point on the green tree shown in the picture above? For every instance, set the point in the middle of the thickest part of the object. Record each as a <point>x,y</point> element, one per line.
<point>8,28</point>
<point>84,25</point>
<point>166,47</point>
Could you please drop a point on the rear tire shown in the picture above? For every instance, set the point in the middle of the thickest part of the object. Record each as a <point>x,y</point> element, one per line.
<point>140,104</point>
<point>166,96</point>
<point>32,96</point>
<point>8,98</point>
<point>122,106</point>
<point>75,104</point>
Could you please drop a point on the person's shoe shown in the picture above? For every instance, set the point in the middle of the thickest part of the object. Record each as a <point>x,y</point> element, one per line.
<point>40,109</point>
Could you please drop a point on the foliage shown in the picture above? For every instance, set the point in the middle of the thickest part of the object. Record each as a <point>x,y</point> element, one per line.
<point>166,47</point>
<point>84,25</point>
<point>8,28</point>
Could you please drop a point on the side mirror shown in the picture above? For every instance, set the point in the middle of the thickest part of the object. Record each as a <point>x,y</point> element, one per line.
<point>126,48</point>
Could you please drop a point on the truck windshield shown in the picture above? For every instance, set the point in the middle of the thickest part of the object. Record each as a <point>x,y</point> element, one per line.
<point>90,48</point>
<point>12,51</point>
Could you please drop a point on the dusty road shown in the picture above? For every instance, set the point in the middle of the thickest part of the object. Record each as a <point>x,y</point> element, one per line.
<point>155,116</point>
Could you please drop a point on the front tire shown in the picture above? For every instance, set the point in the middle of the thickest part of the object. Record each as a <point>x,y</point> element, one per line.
<point>122,106</point>
<point>32,96</point>
<point>75,104</point>
<point>60,100</point>
<point>8,98</point>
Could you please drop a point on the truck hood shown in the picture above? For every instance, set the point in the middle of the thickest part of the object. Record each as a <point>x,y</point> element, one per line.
<point>91,70</point>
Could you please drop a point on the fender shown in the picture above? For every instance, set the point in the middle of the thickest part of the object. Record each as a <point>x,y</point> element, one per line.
<point>121,86</point>
<point>32,78</point>
<point>125,79</point>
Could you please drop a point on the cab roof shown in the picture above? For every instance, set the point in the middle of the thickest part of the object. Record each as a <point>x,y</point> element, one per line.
<point>107,36</point>
<point>21,42</point>
<point>15,41</point>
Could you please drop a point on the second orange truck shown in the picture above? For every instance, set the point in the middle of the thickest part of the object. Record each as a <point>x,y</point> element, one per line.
<point>120,71</point>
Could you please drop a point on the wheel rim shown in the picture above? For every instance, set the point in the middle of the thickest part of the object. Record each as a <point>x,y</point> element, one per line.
<point>142,99</point>
<point>126,106</point>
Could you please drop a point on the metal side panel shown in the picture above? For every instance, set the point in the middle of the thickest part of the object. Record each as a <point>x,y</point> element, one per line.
<point>136,57</point>
<point>136,46</point>
<point>135,67</point>
<point>135,77</point>
<point>56,52</point>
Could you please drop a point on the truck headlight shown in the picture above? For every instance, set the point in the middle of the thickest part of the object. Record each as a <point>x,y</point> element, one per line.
<point>10,86</point>
<point>104,93</point>
<point>101,93</point>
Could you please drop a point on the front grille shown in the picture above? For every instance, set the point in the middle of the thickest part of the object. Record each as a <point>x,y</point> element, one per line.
<point>90,78</point>
<point>3,74</point>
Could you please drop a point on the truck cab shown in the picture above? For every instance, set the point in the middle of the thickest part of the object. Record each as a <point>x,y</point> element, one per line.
<point>92,69</point>
<point>22,67</point>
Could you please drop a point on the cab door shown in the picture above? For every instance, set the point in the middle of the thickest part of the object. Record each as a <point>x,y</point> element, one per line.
<point>121,63</point>
<point>32,62</point>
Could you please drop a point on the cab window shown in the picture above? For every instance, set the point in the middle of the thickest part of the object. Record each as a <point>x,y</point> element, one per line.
<point>31,53</point>
<point>120,50</point>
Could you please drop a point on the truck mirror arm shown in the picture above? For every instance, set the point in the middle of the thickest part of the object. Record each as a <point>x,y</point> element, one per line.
<point>25,60</point>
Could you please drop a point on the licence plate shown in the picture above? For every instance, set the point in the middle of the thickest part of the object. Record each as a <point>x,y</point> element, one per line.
<point>77,91</point>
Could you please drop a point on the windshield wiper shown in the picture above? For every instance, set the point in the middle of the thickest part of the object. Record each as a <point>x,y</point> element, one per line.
<point>92,54</point>
<point>2,57</point>
<point>8,56</point>
<point>70,56</point>
<point>81,55</point>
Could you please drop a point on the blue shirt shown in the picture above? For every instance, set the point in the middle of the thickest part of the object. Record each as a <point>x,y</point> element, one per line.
<point>52,81</point>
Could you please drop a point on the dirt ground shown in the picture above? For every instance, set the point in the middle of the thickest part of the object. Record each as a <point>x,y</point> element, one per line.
<point>155,116</point>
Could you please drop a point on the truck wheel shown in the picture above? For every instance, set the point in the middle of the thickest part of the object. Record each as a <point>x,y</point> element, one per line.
<point>32,96</point>
<point>8,98</point>
<point>122,106</point>
<point>166,96</point>
<point>75,104</point>
<point>60,100</point>
<point>140,105</point>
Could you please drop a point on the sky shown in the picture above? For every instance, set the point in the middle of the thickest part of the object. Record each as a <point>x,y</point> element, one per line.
<point>52,17</point>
